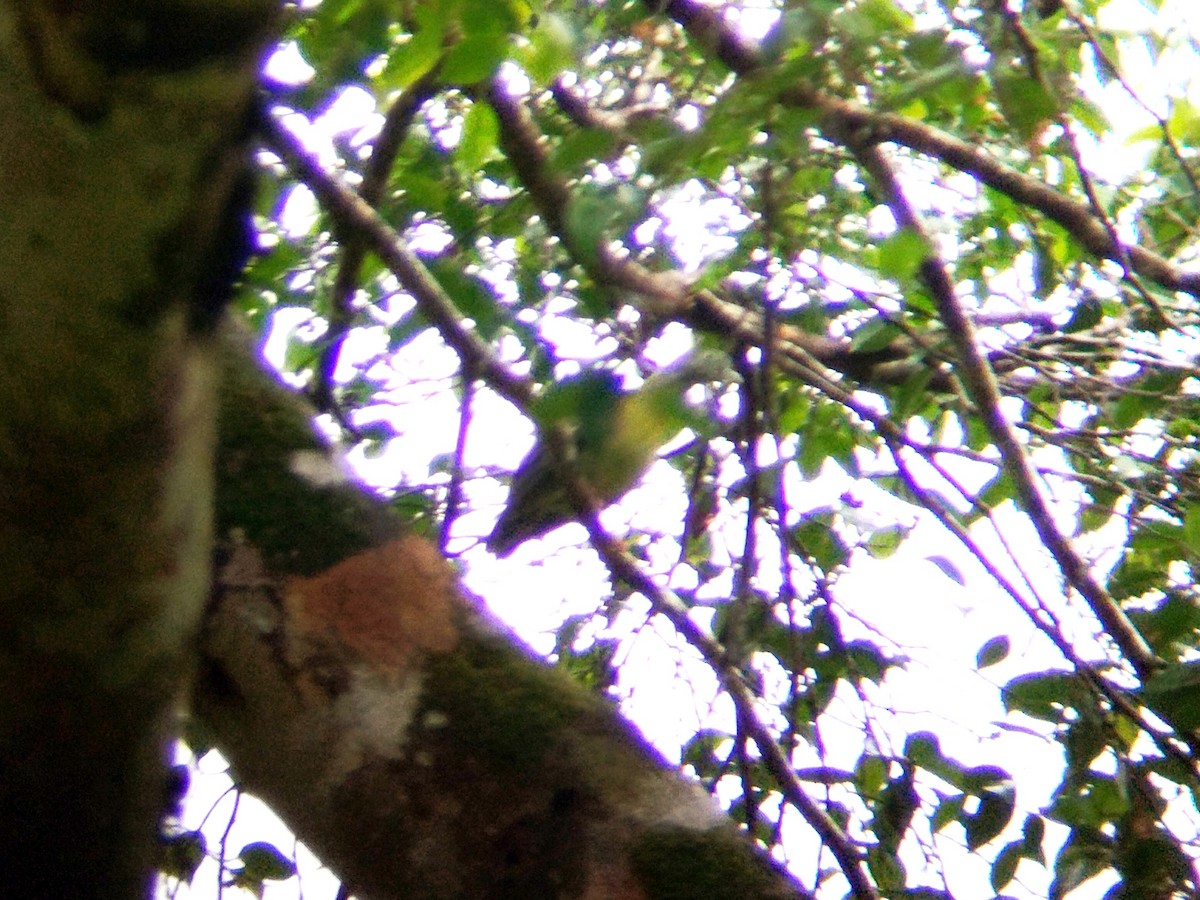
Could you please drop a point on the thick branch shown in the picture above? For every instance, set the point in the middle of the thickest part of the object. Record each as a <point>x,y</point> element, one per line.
<point>667,294</point>
<point>667,604</point>
<point>403,734</point>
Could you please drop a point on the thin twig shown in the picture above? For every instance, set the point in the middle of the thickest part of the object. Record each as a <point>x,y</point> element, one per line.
<point>981,385</point>
<point>709,30</point>
<point>437,306</point>
<point>351,250</point>
<point>454,494</point>
<point>667,604</point>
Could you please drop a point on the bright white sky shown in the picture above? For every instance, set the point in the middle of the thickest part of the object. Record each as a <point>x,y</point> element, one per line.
<point>928,617</point>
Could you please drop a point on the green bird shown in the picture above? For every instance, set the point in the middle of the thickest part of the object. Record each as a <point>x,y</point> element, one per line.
<point>615,436</point>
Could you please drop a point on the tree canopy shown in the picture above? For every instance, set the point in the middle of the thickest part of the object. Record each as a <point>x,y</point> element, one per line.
<point>949,251</point>
<point>941,261</point>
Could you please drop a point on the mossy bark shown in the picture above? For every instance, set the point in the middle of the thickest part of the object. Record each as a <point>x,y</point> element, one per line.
<point>411,741</point>
<point>115,176</point>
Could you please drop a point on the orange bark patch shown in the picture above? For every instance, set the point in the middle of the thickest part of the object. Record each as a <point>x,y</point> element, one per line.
<point>388,604</point>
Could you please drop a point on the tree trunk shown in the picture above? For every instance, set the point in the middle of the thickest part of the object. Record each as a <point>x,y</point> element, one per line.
<point>123,135</point>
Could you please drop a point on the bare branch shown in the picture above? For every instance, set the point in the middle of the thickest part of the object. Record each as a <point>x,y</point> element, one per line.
<point>981,384</point>
<point>355,214</point>
<point>666,603</point>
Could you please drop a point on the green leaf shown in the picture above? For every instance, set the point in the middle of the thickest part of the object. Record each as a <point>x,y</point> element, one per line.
<point>1183,123</point>
<point>923,749</point>
<point>1078,861</point>
<point>1099,512</point>
<point>301,355</point>
<point>992,816</point>
<point>1025,103</point>
<point>1091,802</point>
<point>1046,695</point>
<point>425,191</point>
<point>1004,867</point>
<point>1171,626</point>
<point>1086,739</point>
<point>480,132</point>
<point>1149,862</point>
<point>701,753</point>
<point>895,809</point>
<point>885,541</point>
<point>551,48</point>
<point>180,855</point>
<point>992,652</point>
<point>870,774</point>
<point>592,667</point>
<point>1148,555</point>
<point>816,539</point>
<point>414,59</point>
<point>827,436</point>
<point>1033,833</point>
<point>951,82</point>
<point>948,811</point>
<point>1087,314</point>
<point>867,661</point>
<point>1174,693</point>
<point>913,397</point>
<point>1191,528</point>
<point>998,490</point>
<point>1147,400</point>
<point>595,210</point>
<point>264,862</point>
<point>475,57</point>
<point>580,146</point>
<point>886,868</point>
<point>875,335</point>
<point>900,255</point>
<point>472,298</point>
<point>870,20</point>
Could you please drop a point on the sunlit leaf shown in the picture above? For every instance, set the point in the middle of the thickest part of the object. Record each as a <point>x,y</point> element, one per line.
<point>1025,102</point>
<point>479,135</point>
<point>901,254</point>
<point>551,48</point>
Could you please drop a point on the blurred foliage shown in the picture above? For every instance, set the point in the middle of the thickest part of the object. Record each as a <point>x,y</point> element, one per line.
<point>656,145</point>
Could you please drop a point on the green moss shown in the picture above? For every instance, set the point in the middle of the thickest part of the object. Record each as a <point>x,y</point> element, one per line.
<point>499,708</point>
<point>300,529</point>
<point>680,864</point>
